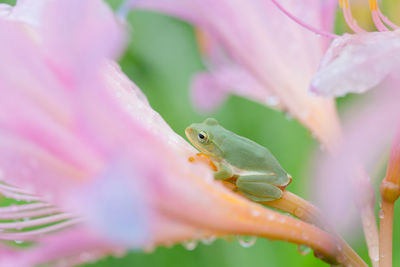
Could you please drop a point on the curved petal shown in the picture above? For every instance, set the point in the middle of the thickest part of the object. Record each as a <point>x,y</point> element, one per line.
<point>356,63</point>
<point>210,89</point>
<point>366,135</point>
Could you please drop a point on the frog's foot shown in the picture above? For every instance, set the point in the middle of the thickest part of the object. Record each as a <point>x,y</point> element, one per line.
<point>258,188</point>
<point>283,187</point>
<point>201,157</point>
<point>224,172</point>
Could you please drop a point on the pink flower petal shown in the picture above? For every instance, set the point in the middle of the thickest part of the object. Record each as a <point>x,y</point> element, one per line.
<point>356,63</point>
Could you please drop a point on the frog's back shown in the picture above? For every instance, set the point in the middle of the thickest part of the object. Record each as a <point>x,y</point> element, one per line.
<point>248,155</point>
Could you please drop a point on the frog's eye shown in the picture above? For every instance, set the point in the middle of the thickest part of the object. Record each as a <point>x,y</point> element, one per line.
<point>203,137</point>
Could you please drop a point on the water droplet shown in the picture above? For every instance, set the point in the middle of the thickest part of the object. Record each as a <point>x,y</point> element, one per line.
<point>190,245</point>
<point>18,241</point>
<point>303,249</point>
<point>255,213</point>
<point>208,240</point>
<point>299,212</point>
<point>247,241</point>
<point>381,214</point>
<point>272,100</point>
<point>374,253</point>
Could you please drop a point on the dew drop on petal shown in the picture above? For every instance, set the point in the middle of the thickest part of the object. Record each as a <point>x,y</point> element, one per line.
<point>299,212</point>
<point>255,213</point>
<point>303,249</point>
<point>247,241</point>
<point>208,240</point>
<point>190,245</point>
<point>374,253</point>
<point>381,214</point>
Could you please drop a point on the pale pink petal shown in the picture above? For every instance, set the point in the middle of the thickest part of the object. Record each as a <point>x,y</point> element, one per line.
<point>78,243</point>
<point>27,165</point>
<point>5,10</point>
<point>94,29</point>
<point>210,89</point>
<point>29,12</point>
<point>207,92</point>
<point>367,133</point>
<point>357,63</point>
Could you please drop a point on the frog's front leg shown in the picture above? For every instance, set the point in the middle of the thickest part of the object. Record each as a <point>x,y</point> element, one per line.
<point>223,172</point>
<point>259,187</point>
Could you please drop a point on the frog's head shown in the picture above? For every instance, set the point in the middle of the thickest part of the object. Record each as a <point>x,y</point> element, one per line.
<point>205,137</point>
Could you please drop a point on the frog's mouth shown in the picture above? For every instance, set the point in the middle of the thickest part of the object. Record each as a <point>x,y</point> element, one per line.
<point>192,136</point>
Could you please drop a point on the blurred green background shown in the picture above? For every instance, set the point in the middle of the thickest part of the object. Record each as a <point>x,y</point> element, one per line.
<point>161,58</point>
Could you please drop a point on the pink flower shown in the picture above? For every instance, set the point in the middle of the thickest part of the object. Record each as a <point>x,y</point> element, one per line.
<point>253,50</point>
<point>100,170</point>
<point>356,63</point>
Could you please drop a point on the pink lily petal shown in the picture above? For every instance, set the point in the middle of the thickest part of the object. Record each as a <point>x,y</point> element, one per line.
<point>356,63</point>
<point>210,89</point>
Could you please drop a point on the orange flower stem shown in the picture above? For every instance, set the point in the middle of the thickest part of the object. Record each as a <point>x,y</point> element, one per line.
<point>307,212</point>
<point>390,192</point>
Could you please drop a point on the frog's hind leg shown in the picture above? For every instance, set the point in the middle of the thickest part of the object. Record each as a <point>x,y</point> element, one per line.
<point>258,187</point>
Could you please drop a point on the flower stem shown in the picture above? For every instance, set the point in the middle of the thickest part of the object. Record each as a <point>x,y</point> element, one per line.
<point>390,192</point>
<point>307,212</point>
<point>386,234</point>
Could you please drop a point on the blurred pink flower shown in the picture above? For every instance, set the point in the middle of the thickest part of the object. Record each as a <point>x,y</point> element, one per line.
<point>355,63</point>
<point>81,146</point>
<point>254,50</point>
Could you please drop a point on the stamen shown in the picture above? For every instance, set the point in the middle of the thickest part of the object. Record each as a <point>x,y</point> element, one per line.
<point>35,222</point>
<point>17,196</point>
<point>387,21</point>
<point>24,207</point>
<point>373,5</point>
<point>349,18</point>
<point>303,24</point>
<point>13,189</point>
<point>28,214</point>
<point>30,235</point>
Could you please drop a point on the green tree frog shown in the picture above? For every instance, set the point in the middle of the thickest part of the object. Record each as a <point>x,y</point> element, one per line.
<point>256,172</point>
